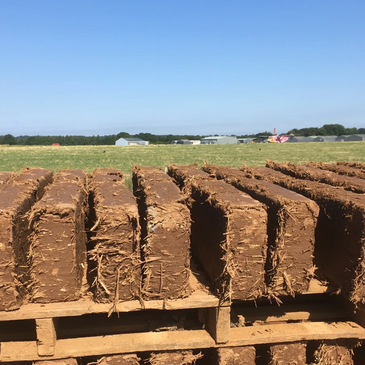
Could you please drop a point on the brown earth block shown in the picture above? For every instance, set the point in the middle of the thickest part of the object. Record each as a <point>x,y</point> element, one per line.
<point>35,176</point>
<point>237,356</point>
<point>58,247</point>
<point>185,175</point>
<point>130,359</point>
<point>335,353</point>
<point>165,234</point>
<point>175,358</point>
<point>69,175</point>
<point>292,219</point>
<point>229,239</point>
<point>6,177</point>
<point>56,362</point>
<point>353,184</point>
<point>340,233</point>
<point>16,200</point>
<point>288,354</point>
<point>106,171</point>
<point>338,169</point>
<point>355,165</point>
<point>116,242</point>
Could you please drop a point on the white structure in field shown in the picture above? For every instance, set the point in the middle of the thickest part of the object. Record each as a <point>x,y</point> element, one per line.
<point>219,140</point>
<point>131,142</point>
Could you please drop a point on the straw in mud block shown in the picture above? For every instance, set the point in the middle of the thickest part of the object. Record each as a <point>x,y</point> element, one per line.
<point>165,228</point>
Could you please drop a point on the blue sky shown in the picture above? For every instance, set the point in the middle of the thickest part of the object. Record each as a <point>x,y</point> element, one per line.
<point>87,67</point>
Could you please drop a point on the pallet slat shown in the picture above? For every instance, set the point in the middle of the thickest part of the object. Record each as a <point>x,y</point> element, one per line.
<point>198,299</point>
<point>178,340</point>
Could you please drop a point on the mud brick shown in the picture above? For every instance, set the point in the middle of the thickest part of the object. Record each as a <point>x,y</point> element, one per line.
<point>106,174</point>
<point>355,165</point>
<point>56,362</point>
<point>340,234</point>
<point>185,175</point>
<point>165,229</point>
<point>58,258</point>
<point>130,359</point>
<point>6,177</point>
<point>353,184</point>
<point>70,175</point>
<point>229,238</point>
<point>116,249</point>
<point>35,177</point>
<point>176,358</point>
<point>292,219</point>
<point>288,354</point>
<point>338,169</point>
<point>335,352</point>
<point>244,355</point>
<point>16,200</point>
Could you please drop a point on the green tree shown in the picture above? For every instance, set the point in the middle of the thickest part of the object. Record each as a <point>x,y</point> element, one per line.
<point>123,135</point>
<point>9,139</point>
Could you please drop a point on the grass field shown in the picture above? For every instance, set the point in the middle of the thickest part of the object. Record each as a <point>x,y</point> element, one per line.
<point>123,157</point>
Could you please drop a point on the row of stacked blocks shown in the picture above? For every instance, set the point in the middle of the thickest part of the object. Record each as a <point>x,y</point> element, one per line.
<point>252,238</point>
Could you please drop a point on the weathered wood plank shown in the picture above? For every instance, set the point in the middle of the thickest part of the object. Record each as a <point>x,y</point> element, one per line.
<point>46,336</point>
<point>294,332</point>
<point>218,323</point>
<point>178,340</point>
<point>100,345</point>
<point>198,299</point>
<point>285,313</point>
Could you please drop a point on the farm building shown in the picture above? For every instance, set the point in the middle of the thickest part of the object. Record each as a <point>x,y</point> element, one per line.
<point>355,138</point>
<point>131,142</point>
<point>245,140</point>
<point>219,140</point>
<point>186,141</point>
<point>301,139</point>
<point>342,138</point>
<point>325,139</point>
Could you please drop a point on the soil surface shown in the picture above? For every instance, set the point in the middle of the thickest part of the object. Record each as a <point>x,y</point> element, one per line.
<point>335,352</point>
<point>237,356</point>
<point>176,357</point>
<point>356,165</point>
<point>293,353</point>
<point>339,169</point>
<point>353,184</point>
<point>130,359</point>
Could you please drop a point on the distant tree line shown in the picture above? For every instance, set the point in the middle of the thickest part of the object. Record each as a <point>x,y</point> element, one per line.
<point>8,139</point>
<point>326,130</point>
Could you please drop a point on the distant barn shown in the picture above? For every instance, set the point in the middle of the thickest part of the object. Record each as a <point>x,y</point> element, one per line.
<point>219,140</point>
<point>355,138</point>
<point>325,139</point>
<point>245,140</point>
<point>131,142</point>
<point>187,141</point>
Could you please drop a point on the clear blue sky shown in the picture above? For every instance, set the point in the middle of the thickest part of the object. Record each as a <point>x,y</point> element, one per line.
<point>92,67</point>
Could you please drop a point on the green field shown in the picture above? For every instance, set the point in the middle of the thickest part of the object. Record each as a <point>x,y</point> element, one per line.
<point>123,157</point>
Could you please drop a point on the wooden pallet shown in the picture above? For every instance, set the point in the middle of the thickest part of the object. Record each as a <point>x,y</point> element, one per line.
<point>262,325</point>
